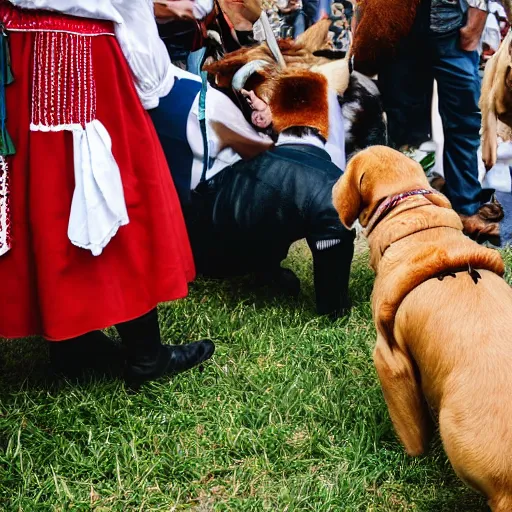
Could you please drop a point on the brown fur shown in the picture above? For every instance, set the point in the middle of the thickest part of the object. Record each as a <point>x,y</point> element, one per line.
<point>299,98</point>
<point>445,343</point>
<point>297,55</point>
<point>225,69</point>
<point>316,37</point>
<point>496,99</point>
<point>381,25</point>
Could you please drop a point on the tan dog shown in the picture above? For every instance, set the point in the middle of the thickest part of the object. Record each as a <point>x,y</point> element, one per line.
<point>443,315</point>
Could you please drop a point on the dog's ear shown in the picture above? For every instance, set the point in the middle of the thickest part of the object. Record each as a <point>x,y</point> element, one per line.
<point>346,194</point>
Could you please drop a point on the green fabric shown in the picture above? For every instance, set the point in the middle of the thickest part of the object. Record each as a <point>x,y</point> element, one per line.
<point>6,78</point>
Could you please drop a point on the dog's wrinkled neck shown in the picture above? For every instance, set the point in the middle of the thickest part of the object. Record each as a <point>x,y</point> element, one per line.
<point>410,217</point>
<point>389,203</point>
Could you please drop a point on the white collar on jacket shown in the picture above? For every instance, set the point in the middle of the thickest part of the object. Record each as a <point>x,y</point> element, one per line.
<point>310,140</point>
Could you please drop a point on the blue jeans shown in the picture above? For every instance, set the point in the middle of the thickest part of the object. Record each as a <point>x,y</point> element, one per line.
<point>297,19</point>
<point>323,7</point>
<point>299,25</point>
<point>406,83</point>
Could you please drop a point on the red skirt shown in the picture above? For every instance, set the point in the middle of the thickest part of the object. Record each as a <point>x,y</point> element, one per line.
<point>50,287</point>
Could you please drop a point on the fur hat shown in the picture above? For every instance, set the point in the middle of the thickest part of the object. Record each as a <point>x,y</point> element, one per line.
<point>299,99</point>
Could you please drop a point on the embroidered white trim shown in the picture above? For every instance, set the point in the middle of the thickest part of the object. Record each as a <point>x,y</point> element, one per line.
<point>64,89</point>
<point>59,32</point>
<point>58,128</point>
<point>5,242</point>
<point>312,140</point>
<point>64,99</point>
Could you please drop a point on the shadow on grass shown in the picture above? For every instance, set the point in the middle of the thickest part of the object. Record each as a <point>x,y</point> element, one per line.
<point>247,289</point>
<point>25,367</point>
<point>464,500</point>
<point>24,364</point>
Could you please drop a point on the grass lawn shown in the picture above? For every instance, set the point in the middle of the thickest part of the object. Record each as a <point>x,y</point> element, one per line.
<point>288,416</point>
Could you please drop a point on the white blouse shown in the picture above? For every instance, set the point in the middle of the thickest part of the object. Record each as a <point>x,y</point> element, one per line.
<point>137,33</point>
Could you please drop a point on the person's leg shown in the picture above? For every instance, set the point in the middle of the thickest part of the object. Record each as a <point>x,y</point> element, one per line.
<point>93,351</point>
<point>316,9</point>
<point>234,242</point>
<point>337,31</point>
<point>332,275</point>
<point>287,25</point>
<point>406,83</point>
<point>456,72</point>
<point>148,359</point>
<point>299,24</point>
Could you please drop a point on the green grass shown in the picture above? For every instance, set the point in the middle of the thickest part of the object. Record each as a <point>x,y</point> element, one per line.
<point>288,416</point>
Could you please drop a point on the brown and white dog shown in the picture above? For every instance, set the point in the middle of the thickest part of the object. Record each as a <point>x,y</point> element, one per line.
<point>443,315</point>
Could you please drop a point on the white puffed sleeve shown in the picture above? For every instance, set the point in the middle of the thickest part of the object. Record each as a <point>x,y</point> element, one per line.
<point>202,8</point>
<point>144,50</point>
<point>95,9</point>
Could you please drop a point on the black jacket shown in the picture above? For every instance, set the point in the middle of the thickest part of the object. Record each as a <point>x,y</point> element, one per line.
<point>283,195</point>
<point>261,206</point>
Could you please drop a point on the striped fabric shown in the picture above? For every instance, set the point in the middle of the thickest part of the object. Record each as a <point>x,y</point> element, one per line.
<point>322,245</point>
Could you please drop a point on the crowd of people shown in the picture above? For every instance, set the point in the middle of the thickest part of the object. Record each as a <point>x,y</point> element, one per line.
<point>146,141</point>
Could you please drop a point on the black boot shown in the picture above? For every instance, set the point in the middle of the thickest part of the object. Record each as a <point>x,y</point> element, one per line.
<point>147,359</point>
<point>93,351</point>
<point>332,273</point>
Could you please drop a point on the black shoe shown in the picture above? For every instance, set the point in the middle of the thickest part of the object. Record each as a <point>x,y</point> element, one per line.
<point>93,351</point>
<point>171,359</point>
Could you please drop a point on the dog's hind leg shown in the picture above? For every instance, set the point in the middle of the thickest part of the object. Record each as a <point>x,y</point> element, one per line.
<point>404,397</point>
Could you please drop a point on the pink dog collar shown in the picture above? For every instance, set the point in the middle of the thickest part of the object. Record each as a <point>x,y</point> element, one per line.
<point>391,202</point>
